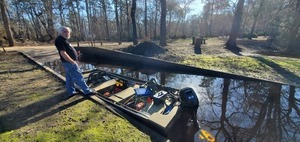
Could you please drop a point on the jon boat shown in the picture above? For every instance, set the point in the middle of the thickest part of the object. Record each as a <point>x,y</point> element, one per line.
<point>156,105</point>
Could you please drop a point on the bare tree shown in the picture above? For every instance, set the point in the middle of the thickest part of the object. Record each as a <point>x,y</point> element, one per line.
<point>104,10</point>
<point>127,19</point>
<point>134,32</point>
<point>121,19</point>
<point>75,21</point>
<point>256,17</point>
<point>163,28</point>
<point>6,23</point>
<point>145,21</point>
<point>90,33</point>
<point>155,18</point>
<point>293,42</point>
<point>50,24</point>
<point>117,22</point>
<point>208,17</point>
<point>236,24</point>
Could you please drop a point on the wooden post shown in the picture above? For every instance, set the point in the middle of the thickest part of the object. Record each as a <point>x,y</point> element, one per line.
<point>193,42</point>
<point>197,45</point>
<point>203,40</point>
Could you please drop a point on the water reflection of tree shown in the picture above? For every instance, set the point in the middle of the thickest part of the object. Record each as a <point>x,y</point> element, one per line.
<point>55,65</point>
<point>250,111</point>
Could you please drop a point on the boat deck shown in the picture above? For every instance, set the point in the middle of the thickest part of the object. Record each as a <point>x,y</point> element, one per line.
<point>118,97</point>
<point>104,85</point>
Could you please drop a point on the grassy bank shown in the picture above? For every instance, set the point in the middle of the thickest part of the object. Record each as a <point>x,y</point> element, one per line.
<point>286,70</point>
<point>33,107</point>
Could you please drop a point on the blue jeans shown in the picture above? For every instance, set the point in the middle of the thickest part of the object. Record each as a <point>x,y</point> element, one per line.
<point>74,76</point>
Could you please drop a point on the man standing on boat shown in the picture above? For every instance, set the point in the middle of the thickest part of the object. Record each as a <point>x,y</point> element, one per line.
<point>69,57</point>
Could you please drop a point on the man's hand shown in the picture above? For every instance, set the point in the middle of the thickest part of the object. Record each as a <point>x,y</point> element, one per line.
<point>67,57</point>
<point>79,55</point>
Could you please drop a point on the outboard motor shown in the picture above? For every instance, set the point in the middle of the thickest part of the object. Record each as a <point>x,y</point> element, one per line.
<point>189,98</point>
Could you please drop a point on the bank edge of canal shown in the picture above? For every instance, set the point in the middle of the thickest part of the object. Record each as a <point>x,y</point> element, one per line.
<point>40,111</point>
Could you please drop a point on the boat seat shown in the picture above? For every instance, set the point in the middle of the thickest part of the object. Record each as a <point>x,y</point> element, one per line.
<point>105,84</point>
<point>164,120</point>
<point>123,94</point>
<point>86,75</point>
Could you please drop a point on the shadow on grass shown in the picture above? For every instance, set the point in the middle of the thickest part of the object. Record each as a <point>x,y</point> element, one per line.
<point>282,71</point>
<point>154,135</point>
<point>255,44</point>
<point>42,109</point>
<point>18,71</point>
<point>33,113</point>
<point>235,50</point>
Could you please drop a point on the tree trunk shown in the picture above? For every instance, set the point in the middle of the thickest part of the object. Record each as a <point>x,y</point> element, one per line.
<point>79,19</point>
<point>134,32</point>
<point>236,24</point>
<point>256,17</point>
<point>90,34</point>
<point>117,22</point>
<point>145,22</point>
<point>19,34</point>
<point>210,26</point>
<point>75,23</point>
<point>139,29</point>
<point>197,45</point>
<point>163,28</point>
<point>155,20</point>
<point>127,19</point>
<point>169,22</point>
<point>50,24</point>
<point>293,42</point>
<point>50,21</point>
<point>105,19</point>
<point>121,20</point>
<point>6,23</point>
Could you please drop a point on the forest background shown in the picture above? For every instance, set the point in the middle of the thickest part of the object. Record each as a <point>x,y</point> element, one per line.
<point>131,20</point>
<point>170,24</point>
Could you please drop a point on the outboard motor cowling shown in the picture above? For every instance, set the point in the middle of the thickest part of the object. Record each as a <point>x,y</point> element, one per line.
<point>189,98</point>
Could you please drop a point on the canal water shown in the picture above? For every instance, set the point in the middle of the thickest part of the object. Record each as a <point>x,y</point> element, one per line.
<point>229,109</point>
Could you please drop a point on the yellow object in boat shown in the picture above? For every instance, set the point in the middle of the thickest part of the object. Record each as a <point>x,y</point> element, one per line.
<point>119,83</point>
<point>203,136</point>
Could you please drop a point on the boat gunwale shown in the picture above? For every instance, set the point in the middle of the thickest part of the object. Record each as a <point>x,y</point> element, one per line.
<point>136,113</point>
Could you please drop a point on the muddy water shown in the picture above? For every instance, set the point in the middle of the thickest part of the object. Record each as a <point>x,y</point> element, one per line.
<point>229,109</point>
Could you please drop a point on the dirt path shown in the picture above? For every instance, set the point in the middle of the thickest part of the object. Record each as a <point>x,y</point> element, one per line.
<point>213,46</point>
